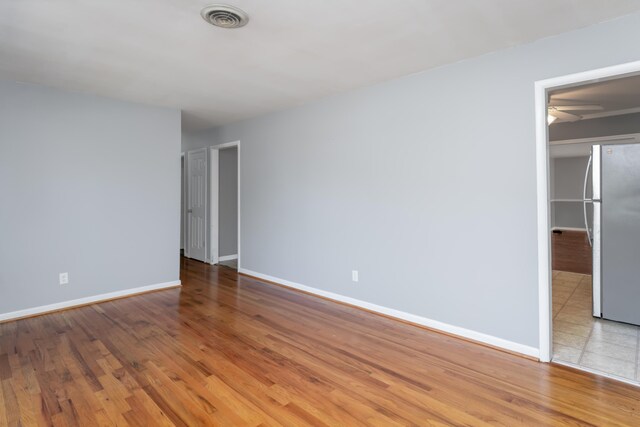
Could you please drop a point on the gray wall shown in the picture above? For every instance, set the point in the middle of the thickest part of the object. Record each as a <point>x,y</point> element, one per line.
<point>228,201</point>
<point>605,126</point>
<point>567,182</point>
<point>425,184</point>
<point>88,186</point>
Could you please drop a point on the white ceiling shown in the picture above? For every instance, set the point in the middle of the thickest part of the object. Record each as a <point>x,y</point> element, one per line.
<point>616,96</point>
<point>612,95</point>
<point>161,52</point>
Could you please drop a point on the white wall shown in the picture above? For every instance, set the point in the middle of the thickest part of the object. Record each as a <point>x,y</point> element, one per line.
<point>425,184</point>
<point>88,186</point>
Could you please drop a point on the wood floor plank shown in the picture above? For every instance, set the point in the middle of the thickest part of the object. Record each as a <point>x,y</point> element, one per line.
<point>230,350</point>
<point>571,251</point>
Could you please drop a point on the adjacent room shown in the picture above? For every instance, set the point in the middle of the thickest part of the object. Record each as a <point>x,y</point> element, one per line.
<point>329,213</point>
<point>594,162</point>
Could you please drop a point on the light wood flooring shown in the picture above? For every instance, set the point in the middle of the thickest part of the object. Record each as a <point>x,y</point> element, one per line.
<point>233,351</point>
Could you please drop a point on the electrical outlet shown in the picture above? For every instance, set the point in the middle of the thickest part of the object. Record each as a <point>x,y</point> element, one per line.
<point>354,275</point>
<point>64,278</point>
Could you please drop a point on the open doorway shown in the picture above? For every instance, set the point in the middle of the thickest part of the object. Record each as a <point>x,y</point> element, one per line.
<point>195,197</point>
<point>183,204</point>
<point>225,205</point>
<point>589,316</point>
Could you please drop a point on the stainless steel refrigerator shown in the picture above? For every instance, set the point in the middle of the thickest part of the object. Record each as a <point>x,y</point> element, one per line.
<point>613,227</point>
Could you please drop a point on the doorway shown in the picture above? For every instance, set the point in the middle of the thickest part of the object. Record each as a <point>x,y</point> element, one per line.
<point>225,205</point>
<point>577,117</point>
<point>183,204</point>
<point>196,215</point>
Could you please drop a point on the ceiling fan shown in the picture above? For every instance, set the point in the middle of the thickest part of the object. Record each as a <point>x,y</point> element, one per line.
<point>563,110</point>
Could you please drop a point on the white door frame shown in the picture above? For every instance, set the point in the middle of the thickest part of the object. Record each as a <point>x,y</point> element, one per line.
<point>542,87</point>
<point>214,256</point>
<point>183,202</point>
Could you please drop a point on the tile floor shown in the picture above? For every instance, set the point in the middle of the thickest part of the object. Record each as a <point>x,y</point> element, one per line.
<point>580,339</point>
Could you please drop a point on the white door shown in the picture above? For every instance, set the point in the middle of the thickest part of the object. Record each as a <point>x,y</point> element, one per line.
<point>197,204</point>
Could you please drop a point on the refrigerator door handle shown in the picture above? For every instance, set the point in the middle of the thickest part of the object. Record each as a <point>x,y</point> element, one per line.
<point>585,200</point>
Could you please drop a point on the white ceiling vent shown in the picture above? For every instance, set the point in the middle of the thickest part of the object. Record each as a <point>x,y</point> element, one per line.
<point>225,16</point>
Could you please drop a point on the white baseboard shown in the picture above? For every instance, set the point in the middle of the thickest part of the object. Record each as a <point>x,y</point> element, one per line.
<point>28,312</point>
<point>430,323</point>
<point>228,257</point>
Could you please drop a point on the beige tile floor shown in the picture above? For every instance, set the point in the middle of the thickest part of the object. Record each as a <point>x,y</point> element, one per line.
<point>580,339</point>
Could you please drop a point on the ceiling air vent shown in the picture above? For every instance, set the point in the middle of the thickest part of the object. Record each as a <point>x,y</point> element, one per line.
<point>225,16</point>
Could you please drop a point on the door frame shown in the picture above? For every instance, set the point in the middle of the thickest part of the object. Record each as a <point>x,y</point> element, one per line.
<point>187,249</point>
<point>183,202</point>
<point>214,253</point>
<point>542,87</point>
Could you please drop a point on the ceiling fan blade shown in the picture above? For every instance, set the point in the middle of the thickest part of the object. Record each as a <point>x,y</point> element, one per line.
<point>565,117</point>
<point>578,107</point>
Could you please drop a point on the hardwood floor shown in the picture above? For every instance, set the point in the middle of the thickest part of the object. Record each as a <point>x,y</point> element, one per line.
<point>571,252</point>
<point>230,350</point>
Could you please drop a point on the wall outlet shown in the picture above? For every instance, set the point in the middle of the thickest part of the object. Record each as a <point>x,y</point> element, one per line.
<point>354,275</point>
<point>64,278</point>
